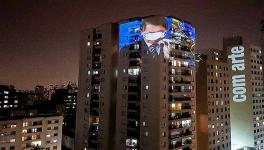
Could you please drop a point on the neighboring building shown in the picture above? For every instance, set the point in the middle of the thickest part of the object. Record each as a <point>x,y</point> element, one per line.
<point>151,85</point>
<point>28,98</point>
<point>68,140</point>
<point>212,102</point>
<point>95,123</point>
<point>24,132</point>
<point>246,94</point>
<point>66,98</point>
<point>262,41</point>
<point>8,97</point>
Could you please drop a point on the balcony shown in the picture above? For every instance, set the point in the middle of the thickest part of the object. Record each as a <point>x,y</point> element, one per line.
<point>174,116</point>
<point>134,55</point>
<point>134,106</point>
<point>180,90</point>
<point>133,124</point>
<point>180,134</point>
<point>94,112</point>
<point>97,66</point>
<point>95,96</point>
<point>133,88</point>
<point>180,81</point>
<point>186,107</point>
<point>134,63</point>
<point>175,126</point>
<point>95,81</point>
<point>175,145</point>
<point>135,80</point>
<point>95,104</point>
<point>133,115</point>
<point>133,97</point>
<point>133,133</point>
<point>184,73</point>
<point>179,98</point>
<point>97,51</point>
<point>94,129</point>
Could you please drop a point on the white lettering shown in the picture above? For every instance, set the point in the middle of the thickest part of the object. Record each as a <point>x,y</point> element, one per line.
<point>238,81</point>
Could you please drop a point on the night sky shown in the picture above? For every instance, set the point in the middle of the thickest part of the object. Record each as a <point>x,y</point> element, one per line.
<point>39,39</point>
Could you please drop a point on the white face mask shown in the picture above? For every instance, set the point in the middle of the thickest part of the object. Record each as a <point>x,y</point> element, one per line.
<point>154,36</point>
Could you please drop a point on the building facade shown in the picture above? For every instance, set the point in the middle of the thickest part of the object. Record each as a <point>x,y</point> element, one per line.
<point>149,79</point>
<point>213,115</point>
<point>24,132</point>
<point>8,97</point>
<point>156,91</point>
<point>246,93</point>
<point>95,121</point>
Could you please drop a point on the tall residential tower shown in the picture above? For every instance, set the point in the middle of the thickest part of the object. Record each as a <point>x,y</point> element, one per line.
<point>143,70</point>
<point>246,94</point>
<point>95,116</point>
<point>212,88</point>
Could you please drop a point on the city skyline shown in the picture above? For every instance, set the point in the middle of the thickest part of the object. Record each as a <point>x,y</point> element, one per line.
<point>40,40</point>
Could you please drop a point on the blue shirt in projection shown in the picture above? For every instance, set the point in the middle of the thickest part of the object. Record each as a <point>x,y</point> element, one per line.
<point>128,32</point>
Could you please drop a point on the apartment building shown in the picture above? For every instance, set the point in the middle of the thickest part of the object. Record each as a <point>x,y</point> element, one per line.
<point>24,132</point>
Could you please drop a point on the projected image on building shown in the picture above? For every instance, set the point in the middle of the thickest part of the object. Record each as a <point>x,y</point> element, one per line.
<point>159,34</point>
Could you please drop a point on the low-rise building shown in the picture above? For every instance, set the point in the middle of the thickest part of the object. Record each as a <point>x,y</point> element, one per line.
<point>25,132</point>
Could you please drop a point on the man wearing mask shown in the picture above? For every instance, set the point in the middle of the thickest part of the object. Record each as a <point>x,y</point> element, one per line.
<point>154,34</point>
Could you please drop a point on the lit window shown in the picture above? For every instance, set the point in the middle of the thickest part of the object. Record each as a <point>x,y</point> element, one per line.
<point>34,130</point>
<point>136,46</point>
<point>146,87</point>
<point>95,72</point>
<point>185,63</point>
<point>12,140</point>
<point>116,73</point>
<point>15,101</point>
<point>173,105</point>
<point>131,142</point>
<point>173,71</point>
<point>54,141</point>
<point>88,43</point>
<point>89,72</point>
<point>35,143</point>
<point>146,133</point>
<point>6,92</point>
<point>5,101</point>
<point>13,125</point>
<point>186,123</point>
<point>257,118</point>
<point>133,71</point>
<point>48,135</point>
<point>24,131</point>
<point>25,124</point>
<point>173,62</point>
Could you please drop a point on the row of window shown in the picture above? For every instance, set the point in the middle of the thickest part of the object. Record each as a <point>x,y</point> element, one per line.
<point>217,67</point>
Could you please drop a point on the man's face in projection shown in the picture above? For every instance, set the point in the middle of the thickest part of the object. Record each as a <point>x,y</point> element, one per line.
<point>153,33</point>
